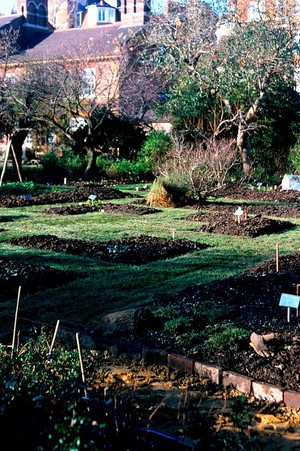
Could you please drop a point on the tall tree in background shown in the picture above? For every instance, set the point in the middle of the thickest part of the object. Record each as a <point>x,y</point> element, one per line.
<point>13,122</point>
<point>219,88</point>
<point>78,99</point>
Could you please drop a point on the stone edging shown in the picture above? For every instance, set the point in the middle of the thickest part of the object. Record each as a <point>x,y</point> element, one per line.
<point>244,384</point>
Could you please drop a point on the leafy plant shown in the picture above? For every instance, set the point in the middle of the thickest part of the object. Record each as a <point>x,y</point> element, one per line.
<point>223,336</point>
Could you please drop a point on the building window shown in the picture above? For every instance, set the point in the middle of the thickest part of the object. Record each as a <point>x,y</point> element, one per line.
<point>256,10</point>
<point>41,16</point>
<point>279,6</point>
<point>77,123</point>
<point>78,19</point>
<point>9,78</point>
<point>106,15</point>
<point>89,82</point>
<point>32,13</point>
<point>28,143</point>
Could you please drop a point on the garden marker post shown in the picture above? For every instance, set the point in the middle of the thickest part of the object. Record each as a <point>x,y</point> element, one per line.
<point>277,257</point>
<point>80,357</point>
<point>297,293</point>
<point>80,360</point>
<point>92,197</point>
<point>289,301</point>
<point>54,337</point>
<point>15,322</point>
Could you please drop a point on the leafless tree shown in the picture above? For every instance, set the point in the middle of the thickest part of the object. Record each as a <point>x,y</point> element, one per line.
<point>200,168</point>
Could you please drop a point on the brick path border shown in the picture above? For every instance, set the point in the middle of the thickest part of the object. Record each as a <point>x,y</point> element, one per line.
<point>246,385</point>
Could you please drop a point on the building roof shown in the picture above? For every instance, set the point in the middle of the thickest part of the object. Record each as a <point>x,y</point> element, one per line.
<point>102,41</point>
<point>6,20</point>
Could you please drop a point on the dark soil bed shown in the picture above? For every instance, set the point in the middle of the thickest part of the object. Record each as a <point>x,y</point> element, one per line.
<point>31,278</point>
<point>107,208</point>
<point>218,210</point>
<point>245,193</point>
<point>252,227</point>
<point>80,194</point>
<point>136,251</point>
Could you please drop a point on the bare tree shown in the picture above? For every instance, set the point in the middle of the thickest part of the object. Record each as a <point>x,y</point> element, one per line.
<point>199,168</point>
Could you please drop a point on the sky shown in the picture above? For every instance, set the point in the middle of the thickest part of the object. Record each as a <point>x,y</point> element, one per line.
<point>6,6</point>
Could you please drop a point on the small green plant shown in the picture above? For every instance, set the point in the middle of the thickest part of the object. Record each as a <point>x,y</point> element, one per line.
<point>18,188</point>
<point>222,336</point>
<point>241,414</point>
<point>213,312</point>
<point>178,325</point>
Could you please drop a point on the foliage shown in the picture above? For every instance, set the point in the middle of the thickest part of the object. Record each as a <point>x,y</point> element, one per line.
<point>46,405</point>
<point>18,188</point>
<point>162,196</point>
<point>73,163</point>
<point>155,148</point>
<point>52,165</point>
<point>49,97</point>
<point>295,159</point>
<point>274,140</point>
<point>123,170</point>
<point>241,414</point>
<point>216,89</point>
<point>177,325</point>
<point>48,388</point>
<point>223,336</point>
<point>202,326</point>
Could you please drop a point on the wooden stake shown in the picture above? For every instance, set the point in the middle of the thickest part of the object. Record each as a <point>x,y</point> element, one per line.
<point>5,162</point>
<point>15,323</point>
<point>54,337</point>
<point>16,161</point>
<point>80,357</point>
<point>277,257</point>
<point>297,293</point>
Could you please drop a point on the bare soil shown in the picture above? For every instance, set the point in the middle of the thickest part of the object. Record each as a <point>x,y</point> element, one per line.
<point>79,194</point>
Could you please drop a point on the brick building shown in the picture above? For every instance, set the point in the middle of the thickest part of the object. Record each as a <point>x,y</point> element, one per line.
<point>79,28</point>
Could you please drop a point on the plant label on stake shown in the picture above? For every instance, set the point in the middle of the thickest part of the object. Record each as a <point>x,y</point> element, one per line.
<point>289,301</point>
<point>238,213</point>
<point>92,197</point>
<point>173,233</point>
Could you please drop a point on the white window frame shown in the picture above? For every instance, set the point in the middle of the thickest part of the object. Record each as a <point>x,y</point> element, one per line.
<point>256,10</point>
<point>78,19</point>
<point>28,142</point>
<point>106,15</point>
<point>88,80</point>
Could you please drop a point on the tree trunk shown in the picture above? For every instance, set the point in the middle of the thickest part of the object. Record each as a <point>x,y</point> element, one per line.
<point>17,141</point>
<point>244,147</point>
<point>90,170</point>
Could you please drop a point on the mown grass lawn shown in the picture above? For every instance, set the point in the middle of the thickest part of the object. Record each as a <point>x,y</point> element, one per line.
<point>105,287</point>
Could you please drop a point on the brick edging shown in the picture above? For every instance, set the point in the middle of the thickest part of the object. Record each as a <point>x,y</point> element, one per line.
<point>244,384</point>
